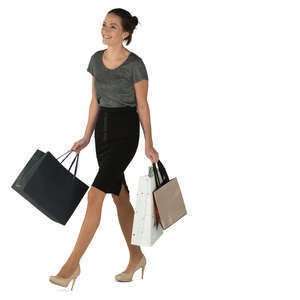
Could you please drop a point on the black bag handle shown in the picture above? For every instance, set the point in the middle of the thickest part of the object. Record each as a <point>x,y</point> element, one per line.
<point>75,158</point>
<point>156,176</point>
<point>165,179</point>
<point>70,151</point>
<point>163,173</point>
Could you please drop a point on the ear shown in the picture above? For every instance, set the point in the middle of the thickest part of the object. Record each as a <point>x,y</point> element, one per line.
<point>126,35</point>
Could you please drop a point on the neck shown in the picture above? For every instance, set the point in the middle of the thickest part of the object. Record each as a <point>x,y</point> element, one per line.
<point>115,52</point>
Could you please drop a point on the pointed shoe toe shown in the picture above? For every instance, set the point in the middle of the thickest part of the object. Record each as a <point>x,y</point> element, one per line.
<point>124,276</point>
<point>128,276</point>
<point>64,282</point>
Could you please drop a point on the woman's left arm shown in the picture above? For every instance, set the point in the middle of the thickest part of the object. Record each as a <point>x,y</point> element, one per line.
<point>141,91</point>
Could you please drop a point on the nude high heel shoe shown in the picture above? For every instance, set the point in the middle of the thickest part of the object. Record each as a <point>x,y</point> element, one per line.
<point>65,281</point>
<point>128,276</point>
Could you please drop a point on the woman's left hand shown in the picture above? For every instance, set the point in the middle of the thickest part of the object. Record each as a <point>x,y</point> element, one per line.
<point>151,153</point>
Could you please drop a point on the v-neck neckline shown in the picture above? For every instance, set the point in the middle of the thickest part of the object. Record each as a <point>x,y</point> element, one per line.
<point>101,59</point>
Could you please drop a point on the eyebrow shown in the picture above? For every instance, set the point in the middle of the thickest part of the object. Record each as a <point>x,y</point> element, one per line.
<point>112,23</point>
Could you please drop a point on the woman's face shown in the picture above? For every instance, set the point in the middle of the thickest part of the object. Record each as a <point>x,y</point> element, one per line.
<point>112,31</point>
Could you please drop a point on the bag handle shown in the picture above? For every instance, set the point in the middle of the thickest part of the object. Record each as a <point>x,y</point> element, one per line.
<point>156,176</point>
<point>70,151</point>
<point>163,173</point>
<point>165,179</point>
<point>156,213</point>
<point>75,158</point>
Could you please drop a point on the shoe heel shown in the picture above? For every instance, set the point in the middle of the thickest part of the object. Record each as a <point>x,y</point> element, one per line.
<point>73,283</point>
<point>143,272</point>
<point>65,281</point>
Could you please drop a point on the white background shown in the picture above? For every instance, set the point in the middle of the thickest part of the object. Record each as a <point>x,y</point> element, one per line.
<point>224,101</point>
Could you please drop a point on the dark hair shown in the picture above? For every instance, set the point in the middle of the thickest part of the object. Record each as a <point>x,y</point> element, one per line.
<point>128,21</point>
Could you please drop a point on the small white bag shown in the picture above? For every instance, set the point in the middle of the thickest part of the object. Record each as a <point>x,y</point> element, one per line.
<point>144,230</point>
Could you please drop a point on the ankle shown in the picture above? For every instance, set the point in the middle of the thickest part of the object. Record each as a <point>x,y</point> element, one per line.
<point>72,263</point>
<point>135,254</point>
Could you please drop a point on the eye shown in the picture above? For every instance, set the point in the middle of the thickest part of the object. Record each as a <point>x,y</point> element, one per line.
<point>112,26</point>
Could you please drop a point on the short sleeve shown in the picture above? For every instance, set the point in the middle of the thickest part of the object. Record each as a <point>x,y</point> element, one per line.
<point>90,67</point>
<point>139,71</point>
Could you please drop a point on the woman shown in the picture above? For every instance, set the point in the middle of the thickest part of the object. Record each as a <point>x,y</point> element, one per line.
<point>119,101</point>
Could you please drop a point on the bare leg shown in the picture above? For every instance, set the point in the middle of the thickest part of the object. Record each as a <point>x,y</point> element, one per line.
<point>87,231</point>
<point>125,216</point>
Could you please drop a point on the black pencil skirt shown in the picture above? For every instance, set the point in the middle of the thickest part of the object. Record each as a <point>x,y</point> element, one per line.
<point>117,134</point>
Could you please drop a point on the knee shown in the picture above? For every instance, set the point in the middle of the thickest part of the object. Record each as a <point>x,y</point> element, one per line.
<point>116,199</point>
<point>95,197</point>
<point>122,199</point>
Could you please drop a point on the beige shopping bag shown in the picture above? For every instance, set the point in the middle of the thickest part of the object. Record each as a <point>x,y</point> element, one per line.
<point>167,197</point>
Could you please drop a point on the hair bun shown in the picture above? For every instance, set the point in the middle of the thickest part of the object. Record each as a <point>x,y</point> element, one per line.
<point>134,21</point>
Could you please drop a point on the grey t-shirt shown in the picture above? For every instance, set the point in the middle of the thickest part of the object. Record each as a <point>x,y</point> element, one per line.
<point>115,87</point>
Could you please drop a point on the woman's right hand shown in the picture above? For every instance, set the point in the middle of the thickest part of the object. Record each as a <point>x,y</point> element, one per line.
<point>79,145</point>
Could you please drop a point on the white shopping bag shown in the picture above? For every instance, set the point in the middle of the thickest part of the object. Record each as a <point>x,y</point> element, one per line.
<point>144,230</point>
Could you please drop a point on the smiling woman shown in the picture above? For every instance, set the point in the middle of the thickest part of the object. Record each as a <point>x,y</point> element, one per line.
<point>119,103</point>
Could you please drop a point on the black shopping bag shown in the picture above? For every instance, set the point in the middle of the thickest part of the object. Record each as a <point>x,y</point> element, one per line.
<point>50,187</point>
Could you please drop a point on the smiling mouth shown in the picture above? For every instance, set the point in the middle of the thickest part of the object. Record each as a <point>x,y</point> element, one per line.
<point>107,37</point>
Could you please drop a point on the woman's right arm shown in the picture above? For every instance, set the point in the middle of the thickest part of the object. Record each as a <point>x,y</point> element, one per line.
<point>91,124</point>
<point>93,113</point>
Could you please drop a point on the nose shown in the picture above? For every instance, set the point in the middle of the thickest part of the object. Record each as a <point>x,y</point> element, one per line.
<point>106,31</point>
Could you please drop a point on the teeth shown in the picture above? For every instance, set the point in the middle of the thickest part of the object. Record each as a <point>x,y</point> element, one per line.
<point>107,37</point>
